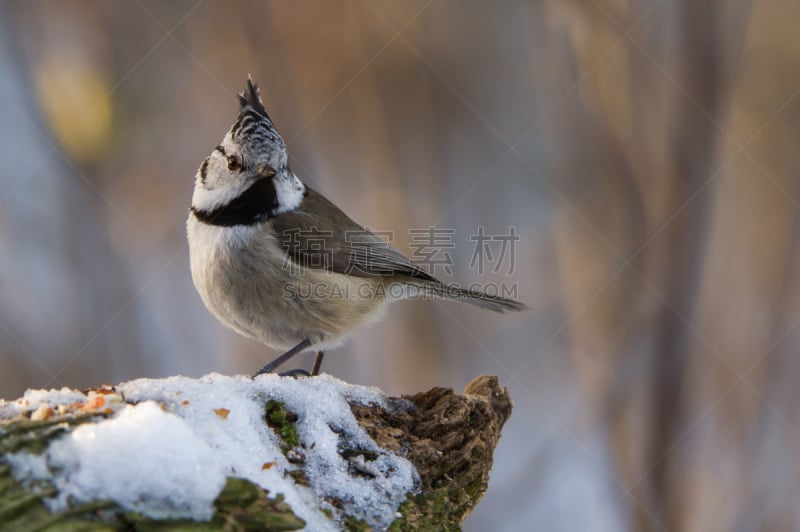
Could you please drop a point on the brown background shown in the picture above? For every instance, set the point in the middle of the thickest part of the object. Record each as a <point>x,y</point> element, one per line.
<point>645,151</point>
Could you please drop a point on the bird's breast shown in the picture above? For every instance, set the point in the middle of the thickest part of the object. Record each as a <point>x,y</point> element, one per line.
<point>247,281</point>
<point>229,265</point>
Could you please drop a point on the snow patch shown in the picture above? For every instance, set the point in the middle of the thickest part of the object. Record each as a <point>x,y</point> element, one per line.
<point>145,459</point>
<point>33,399</point>
<point>169,455</point>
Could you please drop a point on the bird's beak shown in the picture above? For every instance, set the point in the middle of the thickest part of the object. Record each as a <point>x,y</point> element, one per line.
<point>265,171</point>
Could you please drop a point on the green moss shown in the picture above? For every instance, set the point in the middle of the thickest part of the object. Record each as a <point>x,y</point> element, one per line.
<point>474,488</point>
<point>24,511</point>
<point>241,506</point>
<point>34,436</point>
<point>442,509</point>
<point>351,524</point>
<point>282,421</point>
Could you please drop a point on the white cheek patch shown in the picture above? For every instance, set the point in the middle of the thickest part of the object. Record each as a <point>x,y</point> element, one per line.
<point>218,189</point>
<point>205,199</point>
<point>289,191</point>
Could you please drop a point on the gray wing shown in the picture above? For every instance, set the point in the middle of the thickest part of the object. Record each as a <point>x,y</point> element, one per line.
<point>319,235</point>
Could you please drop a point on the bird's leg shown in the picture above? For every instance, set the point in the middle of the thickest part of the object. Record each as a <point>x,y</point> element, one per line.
<point>275,364</point>
<point>303,373</point>
<point>317,364</point>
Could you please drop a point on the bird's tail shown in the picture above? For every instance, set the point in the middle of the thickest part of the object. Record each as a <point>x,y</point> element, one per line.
<point>474,297</point>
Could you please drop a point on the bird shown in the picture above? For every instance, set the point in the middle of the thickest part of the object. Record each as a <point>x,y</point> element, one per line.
<point>276,261</point>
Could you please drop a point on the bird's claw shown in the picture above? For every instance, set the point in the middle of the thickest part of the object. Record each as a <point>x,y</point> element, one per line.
<point>295,373</point>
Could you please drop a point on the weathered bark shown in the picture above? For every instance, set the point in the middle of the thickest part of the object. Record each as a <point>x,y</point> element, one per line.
<point>449,438</point>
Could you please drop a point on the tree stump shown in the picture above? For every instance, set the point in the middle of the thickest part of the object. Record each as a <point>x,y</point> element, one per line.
<point>50,440</point>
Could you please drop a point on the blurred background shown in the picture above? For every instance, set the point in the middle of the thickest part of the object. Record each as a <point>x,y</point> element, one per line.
<point>645,152</point>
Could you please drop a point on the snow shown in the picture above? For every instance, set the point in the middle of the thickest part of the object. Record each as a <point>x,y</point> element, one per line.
<point>116,459</point>
<point>168,455</point>
<point>32,399</point>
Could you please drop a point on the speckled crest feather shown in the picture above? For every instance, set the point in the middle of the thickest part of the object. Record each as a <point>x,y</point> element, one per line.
<point>253,128</point>
<point>251,97</point>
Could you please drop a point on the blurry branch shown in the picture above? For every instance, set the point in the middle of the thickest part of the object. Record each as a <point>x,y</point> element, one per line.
<point>60,276</point>
<point>657,112</point>
<point>694,141</point>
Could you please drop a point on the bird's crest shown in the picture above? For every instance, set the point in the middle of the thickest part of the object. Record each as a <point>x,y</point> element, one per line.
<point>250,97</point>
<point>254,131</point>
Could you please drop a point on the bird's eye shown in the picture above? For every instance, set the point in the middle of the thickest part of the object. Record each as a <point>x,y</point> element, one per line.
<point>234,163</point>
